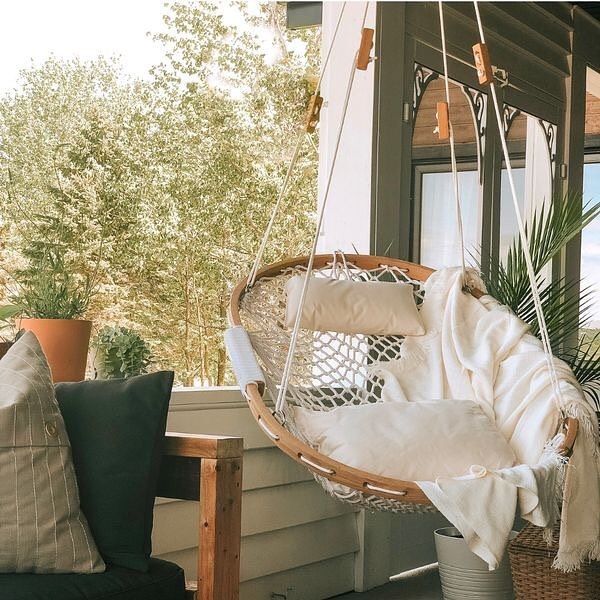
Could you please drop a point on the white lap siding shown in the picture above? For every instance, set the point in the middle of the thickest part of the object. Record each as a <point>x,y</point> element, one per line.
<point>296,540</point>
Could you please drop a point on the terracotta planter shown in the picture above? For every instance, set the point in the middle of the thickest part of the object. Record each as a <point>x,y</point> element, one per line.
<point>4,346</point>
<point>65,343</point>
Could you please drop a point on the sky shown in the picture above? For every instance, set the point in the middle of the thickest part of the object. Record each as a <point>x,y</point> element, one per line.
<point>35,29</point>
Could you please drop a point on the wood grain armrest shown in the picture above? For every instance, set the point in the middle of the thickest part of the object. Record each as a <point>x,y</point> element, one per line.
<point>198,445</point>
<point>208,468</point>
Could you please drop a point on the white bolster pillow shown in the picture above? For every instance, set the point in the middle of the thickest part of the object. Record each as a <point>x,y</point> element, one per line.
<point>368,307</point>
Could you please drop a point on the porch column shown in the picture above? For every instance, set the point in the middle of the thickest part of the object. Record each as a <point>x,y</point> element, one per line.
<point>347,217</point>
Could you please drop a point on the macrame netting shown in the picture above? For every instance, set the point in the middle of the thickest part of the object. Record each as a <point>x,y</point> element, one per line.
<point>330,369</point>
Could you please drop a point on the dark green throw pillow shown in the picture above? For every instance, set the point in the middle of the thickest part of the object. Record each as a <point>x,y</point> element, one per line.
<point>116,428</point>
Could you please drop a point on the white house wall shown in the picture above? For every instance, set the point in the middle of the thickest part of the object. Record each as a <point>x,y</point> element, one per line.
<point>347,216</point>
<point>296,540</point>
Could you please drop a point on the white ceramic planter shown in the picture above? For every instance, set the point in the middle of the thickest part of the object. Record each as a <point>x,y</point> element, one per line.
<point>464,575</point>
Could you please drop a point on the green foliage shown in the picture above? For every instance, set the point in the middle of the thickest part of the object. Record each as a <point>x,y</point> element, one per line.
<point>7,313</point>
<point>551,228</point>
<point>51,284</point>
<point>121,352</point>
<point>566,313</point>
<point>48,290</point>
<point>585,359</point>
<point>164,185</point>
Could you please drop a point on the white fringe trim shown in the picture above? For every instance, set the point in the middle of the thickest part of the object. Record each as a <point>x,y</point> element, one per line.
<point>558,463</point>
<point>571,560</point>
<point>588,423</point>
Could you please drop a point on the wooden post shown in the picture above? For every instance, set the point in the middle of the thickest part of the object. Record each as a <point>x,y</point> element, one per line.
<point>313,112</point>
<point>220,529</point>
<point>483,64</point>
<point>443,120</point>
<point>364,51</point>
<point>209,468</point>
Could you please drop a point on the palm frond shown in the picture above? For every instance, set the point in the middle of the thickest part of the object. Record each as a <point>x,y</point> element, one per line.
<point>585,359</point>
<point>567,309</point>
<point>563,310</point>
<point>551,228</point>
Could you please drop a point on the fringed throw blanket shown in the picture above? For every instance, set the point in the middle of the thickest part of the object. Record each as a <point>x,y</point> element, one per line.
<point>479,350</point>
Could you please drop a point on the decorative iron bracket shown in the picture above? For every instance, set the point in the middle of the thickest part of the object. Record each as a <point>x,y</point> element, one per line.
<point>550,136</point>
<point>478,105</point>
<point>509,114</point>
<point>421,79</point>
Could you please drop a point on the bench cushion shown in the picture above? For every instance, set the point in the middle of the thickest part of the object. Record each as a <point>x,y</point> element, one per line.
<point>162,581</point>
<point>116,429</point>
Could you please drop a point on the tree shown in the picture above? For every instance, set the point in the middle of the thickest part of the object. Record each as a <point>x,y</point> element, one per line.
<point>168,181</point>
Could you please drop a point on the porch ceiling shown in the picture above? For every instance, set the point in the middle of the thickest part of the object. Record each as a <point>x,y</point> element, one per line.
<point>593,8</point>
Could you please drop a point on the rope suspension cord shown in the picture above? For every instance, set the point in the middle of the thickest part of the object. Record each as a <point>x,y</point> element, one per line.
<point>292,164</point>
<point>459,220</point>
<point>312,143</point>
<point>281,396</point>
<point>558,397</point>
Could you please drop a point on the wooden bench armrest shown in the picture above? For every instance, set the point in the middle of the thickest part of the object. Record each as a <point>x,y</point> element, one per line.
<point>208,468</point>
<point>199,445</point>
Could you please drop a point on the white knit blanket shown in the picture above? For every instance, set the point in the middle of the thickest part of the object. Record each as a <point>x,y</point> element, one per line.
<point>478,350</point>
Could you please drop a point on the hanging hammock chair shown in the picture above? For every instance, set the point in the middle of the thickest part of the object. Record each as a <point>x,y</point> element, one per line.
<point>332,370</point>
<point>322,370</point>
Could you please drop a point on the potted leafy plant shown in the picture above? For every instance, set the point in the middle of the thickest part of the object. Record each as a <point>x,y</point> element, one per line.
<point>58,276</point>
<point>567,312</point>
<point>52,301</point>
<point>120,352</point>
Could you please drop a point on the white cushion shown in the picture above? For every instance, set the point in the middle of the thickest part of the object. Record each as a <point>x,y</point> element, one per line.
<point>412,441</point>
<point>368,307</point>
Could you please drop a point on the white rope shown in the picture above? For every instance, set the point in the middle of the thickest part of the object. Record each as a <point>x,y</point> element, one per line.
<point>458,209</point>
<point>336,267</point>
<point>292,165</point>
<point>524,239</point>
<point>312,144</point>
<point>280,197</point>
<point>281,397</point>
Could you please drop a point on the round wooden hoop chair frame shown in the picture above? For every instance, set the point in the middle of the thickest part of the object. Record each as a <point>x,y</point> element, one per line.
<point>319,464</point>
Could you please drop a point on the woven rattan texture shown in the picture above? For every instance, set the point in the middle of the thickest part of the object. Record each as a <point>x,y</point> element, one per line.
<point>330,369</point>
<point>534,578</point>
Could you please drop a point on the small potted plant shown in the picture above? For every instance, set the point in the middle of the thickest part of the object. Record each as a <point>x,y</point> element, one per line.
<point>52,302</point>
<point>120,353</point>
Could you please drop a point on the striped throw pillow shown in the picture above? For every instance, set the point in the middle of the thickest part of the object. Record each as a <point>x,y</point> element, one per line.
<point>42,528</point>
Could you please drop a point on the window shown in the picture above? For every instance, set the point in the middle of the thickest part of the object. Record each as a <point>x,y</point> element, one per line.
<point>531,148</point>
<point>590,242</point>
<point>590,239</point>
<point>440,246</point>
<point>436,225</point>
